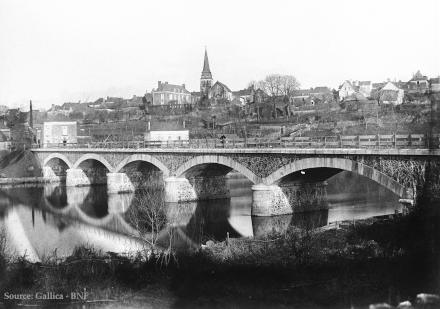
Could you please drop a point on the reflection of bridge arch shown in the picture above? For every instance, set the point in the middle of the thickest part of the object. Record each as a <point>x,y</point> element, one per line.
<point>144,158</point>
<point>215,159</point>
<point>75,212</point>
<point>338,163</point>
<point>96,157</point>
<point>57,156</point>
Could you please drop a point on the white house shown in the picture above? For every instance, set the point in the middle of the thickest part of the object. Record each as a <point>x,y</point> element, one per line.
<point>167,135</point>
<point>59,132</point>
<point>345,90</point>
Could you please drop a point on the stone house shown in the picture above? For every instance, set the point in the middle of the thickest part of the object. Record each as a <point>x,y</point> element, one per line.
<point>418,83</point>
<point>390,94</point>
<point>166,93</point>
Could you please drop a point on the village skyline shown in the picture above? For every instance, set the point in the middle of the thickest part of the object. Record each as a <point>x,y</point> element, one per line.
<point>53,56</point>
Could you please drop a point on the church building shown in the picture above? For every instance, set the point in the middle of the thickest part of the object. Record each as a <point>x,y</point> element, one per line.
<point>215,92</point>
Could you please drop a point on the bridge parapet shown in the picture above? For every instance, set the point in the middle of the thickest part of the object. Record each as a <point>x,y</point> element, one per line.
<point>388,141</point>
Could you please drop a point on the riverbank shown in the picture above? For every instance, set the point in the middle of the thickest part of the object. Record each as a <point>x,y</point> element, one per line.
<point>19,167</point>
<point>372,261</point>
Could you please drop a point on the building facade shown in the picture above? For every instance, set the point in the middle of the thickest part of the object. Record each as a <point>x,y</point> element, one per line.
<point>59,132</point>
<point>166,94</point>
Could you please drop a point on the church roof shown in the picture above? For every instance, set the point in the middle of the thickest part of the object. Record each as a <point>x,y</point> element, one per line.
<point>222,85</point>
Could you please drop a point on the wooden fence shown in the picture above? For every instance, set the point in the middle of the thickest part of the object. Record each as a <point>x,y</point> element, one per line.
<point>421,141</point>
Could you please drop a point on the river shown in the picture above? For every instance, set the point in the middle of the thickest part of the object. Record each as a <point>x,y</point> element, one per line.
<point>42,220</point>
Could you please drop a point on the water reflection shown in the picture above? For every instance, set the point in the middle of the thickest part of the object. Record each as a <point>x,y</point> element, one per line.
<point>40,220</point>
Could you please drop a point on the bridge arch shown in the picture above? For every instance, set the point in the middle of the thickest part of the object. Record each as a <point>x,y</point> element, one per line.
<point>59,156</point>
<point>216,159</point>
<point>144,158</point>
<point>341,164</point>
<point>92,156</point>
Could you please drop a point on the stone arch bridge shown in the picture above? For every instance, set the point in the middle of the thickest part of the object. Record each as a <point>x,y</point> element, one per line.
<point>276,174</point>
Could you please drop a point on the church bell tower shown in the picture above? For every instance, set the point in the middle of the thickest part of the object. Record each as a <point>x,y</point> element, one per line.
<point>206,78</point>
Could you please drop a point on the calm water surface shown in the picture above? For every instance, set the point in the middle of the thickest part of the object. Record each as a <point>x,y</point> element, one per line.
<point>40,221</point>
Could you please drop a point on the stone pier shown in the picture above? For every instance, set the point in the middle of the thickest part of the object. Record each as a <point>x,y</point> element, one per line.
<point>288,198</point>
<point>119,183</point>
<point>49,175</point>
<point>76,177</point>
<point>180,189</point>
<point>269,201</point>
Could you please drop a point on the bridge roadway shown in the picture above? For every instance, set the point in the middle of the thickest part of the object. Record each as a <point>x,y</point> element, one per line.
<point>285,180</point>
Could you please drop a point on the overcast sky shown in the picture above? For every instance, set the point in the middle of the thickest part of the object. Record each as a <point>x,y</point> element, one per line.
<point>58,51</point>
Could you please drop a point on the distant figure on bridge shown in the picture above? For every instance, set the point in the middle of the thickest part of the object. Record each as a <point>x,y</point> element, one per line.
<point>223,140</point>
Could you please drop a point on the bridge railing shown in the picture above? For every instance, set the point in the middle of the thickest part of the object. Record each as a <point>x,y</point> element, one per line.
<point>342,141</point>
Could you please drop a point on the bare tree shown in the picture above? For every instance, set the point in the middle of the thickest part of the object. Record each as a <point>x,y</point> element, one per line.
<point>277,85</point>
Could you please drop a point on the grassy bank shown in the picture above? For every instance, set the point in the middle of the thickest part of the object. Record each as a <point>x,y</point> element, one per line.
<point>371,261</point>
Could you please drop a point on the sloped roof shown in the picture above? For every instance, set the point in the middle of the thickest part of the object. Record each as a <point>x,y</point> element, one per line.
<point>243,92</point>
<point>378,85</point>
<point>170,87</point>
<point>321,89</point>
<point>390,86</point>
<point>222,85</point>
<point>346,82</point>
<point>365,83</point>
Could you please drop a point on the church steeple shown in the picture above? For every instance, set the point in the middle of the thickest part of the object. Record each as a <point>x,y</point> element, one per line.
<point>206,71</point>
<point>206,78</point>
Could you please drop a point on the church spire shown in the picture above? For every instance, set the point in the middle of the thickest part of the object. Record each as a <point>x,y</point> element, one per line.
<point>206,63</point>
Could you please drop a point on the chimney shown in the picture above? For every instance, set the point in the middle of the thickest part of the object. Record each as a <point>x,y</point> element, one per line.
<point>183,86</point>
<point>158,84</point>
<point>166,83</point>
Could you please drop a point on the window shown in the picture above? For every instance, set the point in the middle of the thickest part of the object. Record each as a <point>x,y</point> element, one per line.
<point>64,128</point>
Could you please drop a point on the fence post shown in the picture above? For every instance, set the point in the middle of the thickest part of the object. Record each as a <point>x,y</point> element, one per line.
<point>394,140</point>
<point>325,141</point>
<point>359,141</point>
<point>378,141</point>
<point>427,140</point>
<point>340,141</point>
<point>409,140</point>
